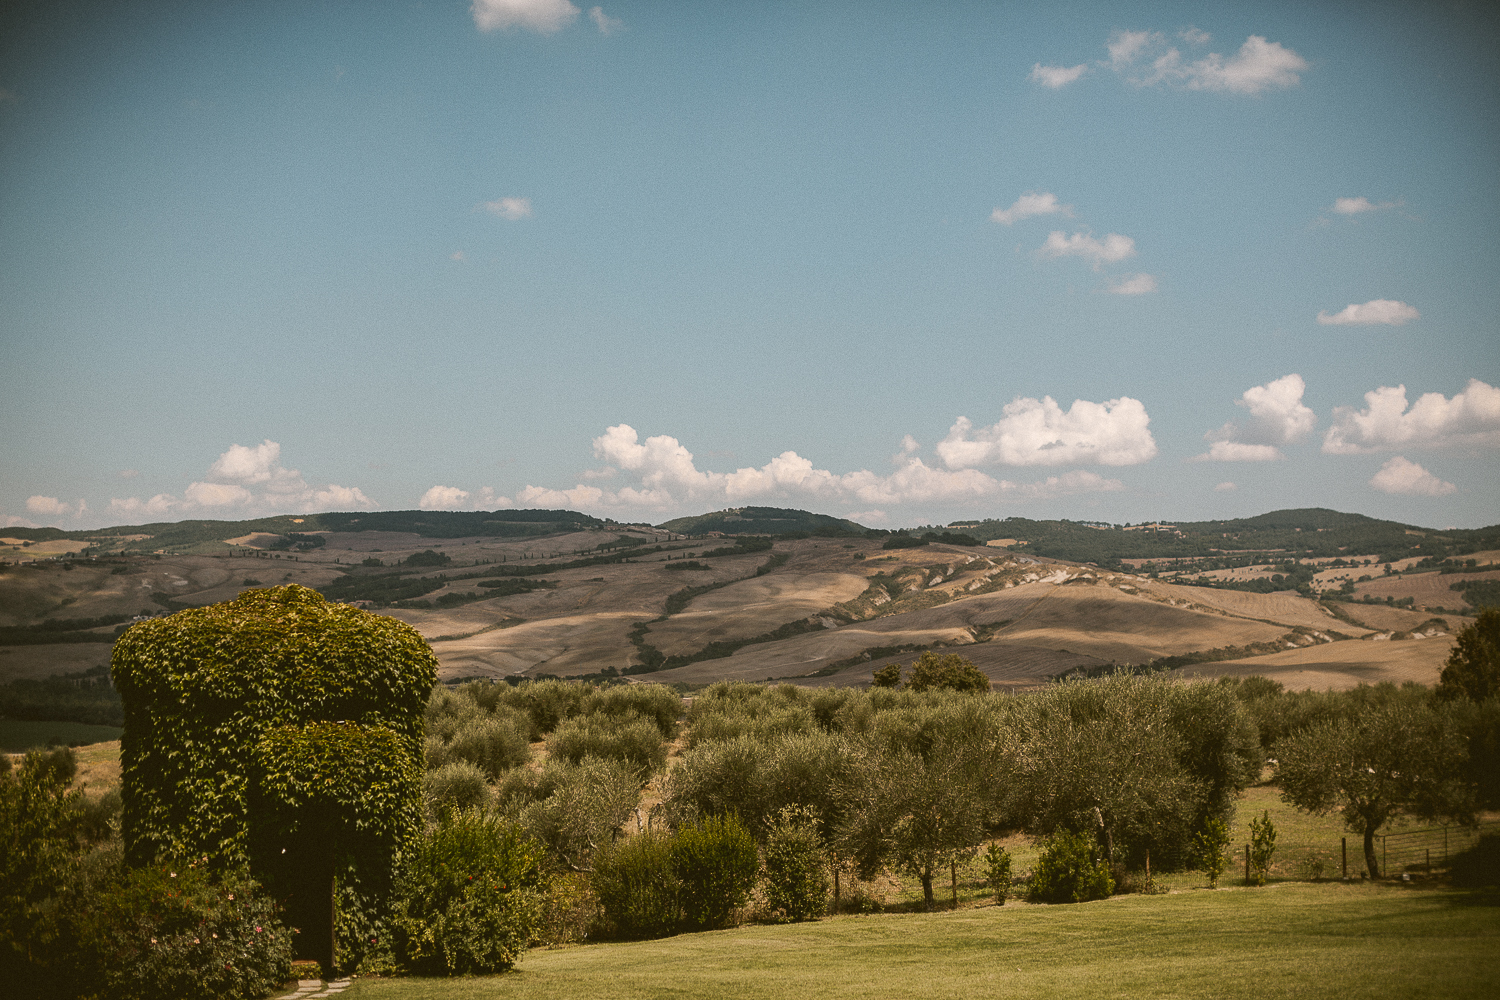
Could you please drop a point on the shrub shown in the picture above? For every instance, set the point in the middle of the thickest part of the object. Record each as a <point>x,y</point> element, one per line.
<point>1262,847</point>
<point>1208,849</point>
<point>459,785</point>
<point>716,863</point>
<point>573,809</point>
<point>888,676</point>
<point>1068,873</point>
<point>38,814</point>
<point>656,702</point>
<point>796,873</point>
<point>468,896</point>
<point>175,932</point>
<point>997,872</point>
<point>630,739</point>
<point>950,671</point>
<point>570,910</point>
<point>637,885</point>
<point>546,703</point>
<point>495,744</point>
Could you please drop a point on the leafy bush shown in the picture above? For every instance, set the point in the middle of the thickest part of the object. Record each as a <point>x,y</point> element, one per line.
<point>573,809</point>
<point>178,932</point>
<point>997,872</point>
<point>1208,849</point>
<point>468,896</point>
<point>656,702</point>
<point>1068,873</point>
<point>1262,847</point>
<point>459,785</point>
<point>950,671</point>
<point>715,863</point>
<point>796,870</point>
<point>888,676</point>
<point>637,885</point>
<point>630,738</point>
<point>38,814</point>
<point>494,743</point>
<point>547,703</point>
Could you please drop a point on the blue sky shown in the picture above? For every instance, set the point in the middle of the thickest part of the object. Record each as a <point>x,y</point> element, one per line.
<point>905,262</point>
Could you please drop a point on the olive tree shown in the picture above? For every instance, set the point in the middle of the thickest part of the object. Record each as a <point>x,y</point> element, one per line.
<point>1473,669</point>
<point>1402,757</point>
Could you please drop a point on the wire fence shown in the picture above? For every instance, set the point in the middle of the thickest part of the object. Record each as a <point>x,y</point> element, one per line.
<point>1421,851</point>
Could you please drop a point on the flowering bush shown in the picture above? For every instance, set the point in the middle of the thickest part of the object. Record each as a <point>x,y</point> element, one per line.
<point>178,933</point>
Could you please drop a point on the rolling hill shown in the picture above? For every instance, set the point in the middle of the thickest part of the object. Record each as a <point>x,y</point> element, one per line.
<point>556,593</point>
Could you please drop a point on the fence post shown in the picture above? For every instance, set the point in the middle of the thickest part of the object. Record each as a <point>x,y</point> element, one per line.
<point>1344,849</point>
<point>1247,864</point>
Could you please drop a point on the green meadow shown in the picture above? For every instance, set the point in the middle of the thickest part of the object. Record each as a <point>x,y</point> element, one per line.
<point>1331,939</point>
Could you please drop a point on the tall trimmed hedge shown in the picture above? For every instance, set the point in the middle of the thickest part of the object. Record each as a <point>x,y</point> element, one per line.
<point>248,721</point>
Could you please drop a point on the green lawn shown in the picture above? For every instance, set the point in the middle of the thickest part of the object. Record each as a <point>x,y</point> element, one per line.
<point>1355,940</point>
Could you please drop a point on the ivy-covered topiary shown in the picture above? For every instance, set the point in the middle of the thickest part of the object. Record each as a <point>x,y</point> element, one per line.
<point>277,730</point>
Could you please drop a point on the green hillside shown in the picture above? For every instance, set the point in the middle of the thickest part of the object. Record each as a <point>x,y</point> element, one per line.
<point>763,521</point>
<point>1310,532</point>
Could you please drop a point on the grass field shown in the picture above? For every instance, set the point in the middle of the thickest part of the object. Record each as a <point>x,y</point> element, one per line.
<point>1296,940</point>
<point>23,734</point>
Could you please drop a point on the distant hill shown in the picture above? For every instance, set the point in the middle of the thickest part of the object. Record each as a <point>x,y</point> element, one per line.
<point>763,521</point>
<point>179,535</point>
<point>1314,531</point>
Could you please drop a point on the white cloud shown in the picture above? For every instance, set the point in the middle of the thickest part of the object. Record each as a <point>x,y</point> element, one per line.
<point>1056,76</point>
<point>443,498</point>
<point>1388,312</point>
<point>216,495</point>
<point>52,507</point>
<point>1039,432</point>
<point>1136,284</point>
<point>1470,419</point>
<point>1195,36</point>
<point>868,516</point>
<point>607,25</point>
<point>12,521</point>
<point>1111,249</point>
<point>608,472</point>
<point>544,16</point>
<point>162,503</point>
<point>1360,205</point>
<point>1225,487</point>
<point>457,255</point>
<point>1277,417</point>
<point>1257,66</point>
<point>1398,475</point>
<point>509,208</point>
<point>1029,204</point>
<point>1236,451</point>
<point>128,473</point>
<point>261,464</point>
<point>667,476</point>
<point>1125,46</point>
<point>252,480</point>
